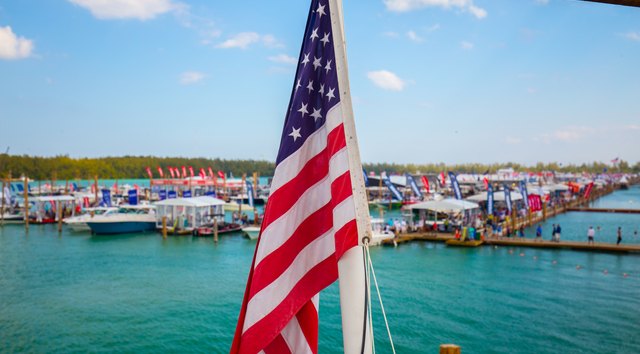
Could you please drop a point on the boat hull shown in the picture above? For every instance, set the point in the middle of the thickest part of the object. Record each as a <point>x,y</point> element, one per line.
<point>466,243</point>
<point>121,227</point>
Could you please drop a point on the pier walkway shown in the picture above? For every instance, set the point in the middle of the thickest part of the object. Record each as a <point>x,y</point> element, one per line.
<point>606,210</point>
<point>520,242</point>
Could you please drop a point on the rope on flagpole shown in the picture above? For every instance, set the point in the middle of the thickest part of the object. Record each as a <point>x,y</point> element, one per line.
<point>371,271</point>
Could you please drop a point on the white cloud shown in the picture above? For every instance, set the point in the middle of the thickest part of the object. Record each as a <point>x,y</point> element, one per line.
<point>191,77</point>
<point>634,36</point>
<point>410,5</point>
<point>386,80</point>
<point>512,140</point>
<point>283,59</point>
<point>127,9</point>
<point>12,46</point>
<point>433,28</point>
<point>414,37</point>
<point>568,134</point>
<point>633,127</point>
<point>466,45</point>
<point>245,39</point>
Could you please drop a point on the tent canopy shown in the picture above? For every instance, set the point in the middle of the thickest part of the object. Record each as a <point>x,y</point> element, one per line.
<point>204,201</point>
<point>448,205</point>
<point>497,196</point>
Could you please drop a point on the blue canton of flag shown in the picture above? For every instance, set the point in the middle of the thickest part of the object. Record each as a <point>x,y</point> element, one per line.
<point>315,90</point>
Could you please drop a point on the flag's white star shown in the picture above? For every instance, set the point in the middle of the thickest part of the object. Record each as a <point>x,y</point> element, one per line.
<point>330,94</point>
<point>328,66</point>
<point>310,86</point>
<point>316,114</point>
<point>314,34</point>
<point>321,89</point>
<point>303,109</point>
<point>295,133</point>
<point>305,60</point>
<point>316,63</point>
<point>325,39</point>
<point>320,11</point>
<point>298,85</point>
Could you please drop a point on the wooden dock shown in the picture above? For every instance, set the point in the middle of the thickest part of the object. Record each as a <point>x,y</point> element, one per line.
<point>519,242</point>
<point>606,210</point>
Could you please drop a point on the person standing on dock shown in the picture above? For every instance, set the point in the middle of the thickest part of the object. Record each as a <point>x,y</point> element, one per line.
<point>553,232</point>
<point>619,236</point>
<point>539,232</point>
<point>590,235</point>
<point>557,234</point>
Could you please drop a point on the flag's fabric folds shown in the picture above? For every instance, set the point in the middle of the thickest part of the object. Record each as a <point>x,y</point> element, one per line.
<point>309,221</point>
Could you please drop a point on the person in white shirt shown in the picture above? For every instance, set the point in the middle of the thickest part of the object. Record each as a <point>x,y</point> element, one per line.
<point>590,235</point>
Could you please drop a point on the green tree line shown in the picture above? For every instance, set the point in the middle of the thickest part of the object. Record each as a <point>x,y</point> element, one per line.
<point>65,167</point>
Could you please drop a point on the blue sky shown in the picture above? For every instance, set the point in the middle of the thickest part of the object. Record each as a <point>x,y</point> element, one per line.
<point>449,81</point>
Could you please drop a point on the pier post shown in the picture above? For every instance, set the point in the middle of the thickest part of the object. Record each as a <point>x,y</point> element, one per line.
<point>95,181</point>
<point>544,211</point>
<point>66,187</point>
<point>60,216</point>
<point>215,229</point>
<point>26,203</point>
<point>164,226</point>
<point>449,349</point>
<point>3,198</point>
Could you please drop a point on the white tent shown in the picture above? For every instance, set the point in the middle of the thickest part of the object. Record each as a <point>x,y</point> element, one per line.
<point>204,201</point>
<point>497,196</point>
<point>448,205</point>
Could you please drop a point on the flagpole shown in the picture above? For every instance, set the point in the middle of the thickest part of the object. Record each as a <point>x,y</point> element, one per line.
<point>356,324</point>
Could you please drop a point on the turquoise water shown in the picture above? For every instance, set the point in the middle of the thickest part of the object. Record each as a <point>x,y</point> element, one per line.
<point>140,293</point>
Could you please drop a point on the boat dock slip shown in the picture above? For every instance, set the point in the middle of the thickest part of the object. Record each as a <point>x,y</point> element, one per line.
<point>606,210</point>
<point>520,242</point>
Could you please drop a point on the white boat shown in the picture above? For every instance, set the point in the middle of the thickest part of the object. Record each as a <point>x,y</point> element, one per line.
<point>184,215</point>
<point>79,223</point>
<point>13,218</point>
<point>380,232</point>
<point>252,232</point>
<point>127,219</point>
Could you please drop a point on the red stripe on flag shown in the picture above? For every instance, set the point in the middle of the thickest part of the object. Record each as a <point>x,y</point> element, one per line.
<point>277,346</point>
<point>310,229</point>
<point>269,327</point>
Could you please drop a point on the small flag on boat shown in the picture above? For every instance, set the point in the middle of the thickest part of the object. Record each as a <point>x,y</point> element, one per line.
<point>203,174</point>
<point>160,172</point>
<point>443,180</point>
<point>485,180</point>
<point>414,186</point>
<point>133,196</point>
<point>211,173</point>
<point>425,182</point>
<point>455,185</point>
<point>489,199</point>
<point>507,197</point>
<point>191,171</point>
<point>149,172</point>
<point>250,193</point>
<point>184,172</point>
<point>173,174</point>
<point>587,190</point>
<point>525,194</point>
<point>393,189</point>
<point>366,178</point>
<point>106,197</point>
<point>221,175</point>
<point>310,220</point>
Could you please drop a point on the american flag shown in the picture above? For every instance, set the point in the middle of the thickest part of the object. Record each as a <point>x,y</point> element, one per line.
<point>309,222</point>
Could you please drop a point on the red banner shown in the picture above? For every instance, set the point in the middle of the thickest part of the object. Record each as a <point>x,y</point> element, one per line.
<point>173,174</point>
<point>425,181</point>
<point>149,172</point>
<point>587,191</point>
<point>160,172</point>
<point>191,171</point>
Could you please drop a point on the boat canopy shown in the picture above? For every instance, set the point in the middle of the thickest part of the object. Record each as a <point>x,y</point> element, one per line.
<point>203,201</point>
<point>53,198</point>
<point>448,205</point>
<point>498,196</point>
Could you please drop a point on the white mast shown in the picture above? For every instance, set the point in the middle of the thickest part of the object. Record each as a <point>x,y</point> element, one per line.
<point>356,325</point>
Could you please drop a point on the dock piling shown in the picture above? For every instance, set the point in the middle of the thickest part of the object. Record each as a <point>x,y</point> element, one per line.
<point>26,203</point>
<point>164,227</point>
<point>215,229</point>
<point>60,216</point>
<point>449,349</point>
